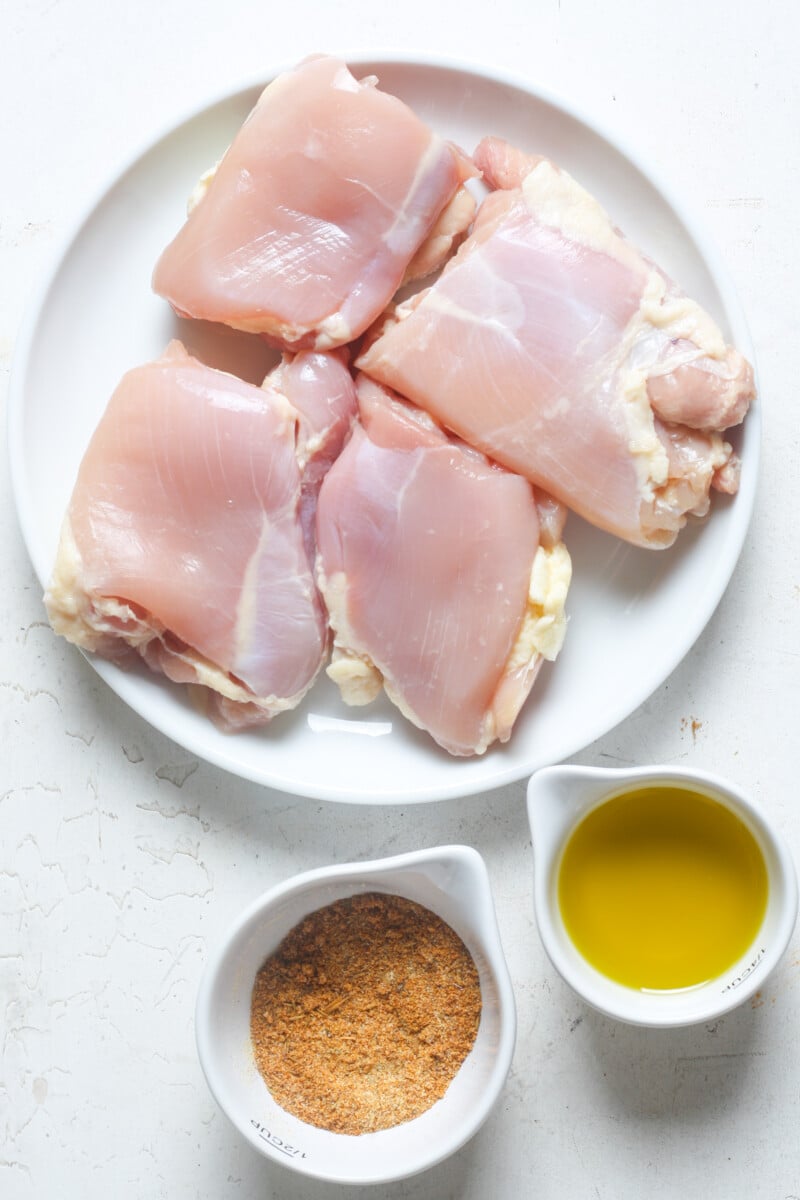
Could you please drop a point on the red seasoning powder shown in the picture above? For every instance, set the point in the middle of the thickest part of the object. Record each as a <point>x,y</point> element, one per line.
<point>364,1014</point>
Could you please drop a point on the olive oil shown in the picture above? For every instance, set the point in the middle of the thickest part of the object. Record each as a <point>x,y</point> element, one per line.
<point>662,888</point>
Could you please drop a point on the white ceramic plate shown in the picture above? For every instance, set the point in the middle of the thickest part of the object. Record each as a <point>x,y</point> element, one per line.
<point>633,613</point>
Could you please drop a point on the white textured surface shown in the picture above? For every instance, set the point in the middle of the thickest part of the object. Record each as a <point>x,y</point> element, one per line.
<point>123,859</point>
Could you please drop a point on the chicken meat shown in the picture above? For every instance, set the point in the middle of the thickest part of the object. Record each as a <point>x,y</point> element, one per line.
<point>320,208</point>
<point>555,347</point>
<point>444,575</point>
<point>184,540</point>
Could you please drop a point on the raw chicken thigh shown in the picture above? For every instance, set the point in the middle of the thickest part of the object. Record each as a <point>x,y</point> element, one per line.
<point>444,578</point>
<point>554,346</point>
<point>309,224</point>
<point>183,540</point>
<point>320,389</point>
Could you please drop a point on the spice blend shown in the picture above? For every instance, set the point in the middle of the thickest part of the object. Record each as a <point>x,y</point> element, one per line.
<point>364,1014</point>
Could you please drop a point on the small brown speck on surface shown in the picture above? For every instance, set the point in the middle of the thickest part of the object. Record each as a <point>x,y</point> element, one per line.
<point>362,1017</point>
<point>692,724</point>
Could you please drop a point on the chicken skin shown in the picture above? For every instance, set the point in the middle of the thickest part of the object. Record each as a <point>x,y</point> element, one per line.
<point>551,344</point>
<point>444,575</point>
<point>184,540</point>
<point>319,209</point>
